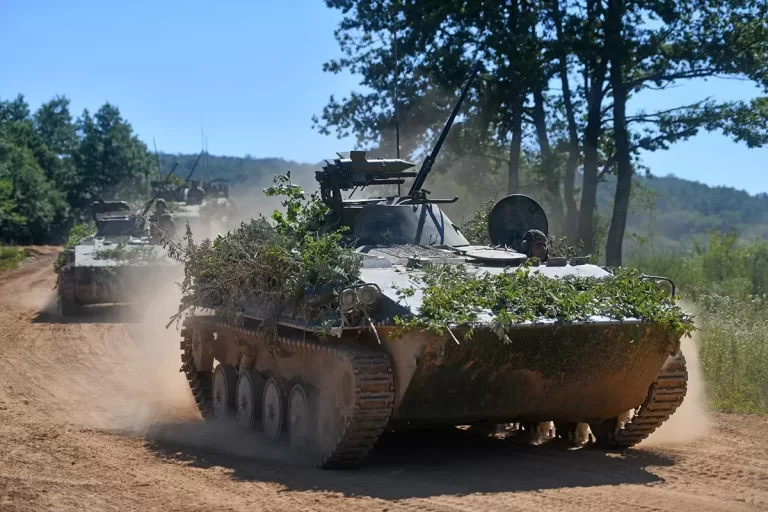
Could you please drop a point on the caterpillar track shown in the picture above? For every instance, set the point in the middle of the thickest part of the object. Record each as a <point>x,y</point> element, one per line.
<point>372,396</point>
<point>66,292</point>
<point>665,395</point>
<point>199,381</point>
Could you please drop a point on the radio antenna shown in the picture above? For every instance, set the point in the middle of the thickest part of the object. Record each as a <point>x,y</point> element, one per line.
<point>396,93</point>
<point>159,167</point>
<point>397,97</point>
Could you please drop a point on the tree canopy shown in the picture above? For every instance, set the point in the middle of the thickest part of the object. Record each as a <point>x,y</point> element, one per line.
<point>52,167</point>
<point>551,107</point>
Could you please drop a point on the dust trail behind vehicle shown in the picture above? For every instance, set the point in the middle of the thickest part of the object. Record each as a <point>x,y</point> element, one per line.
<point>692,420</point>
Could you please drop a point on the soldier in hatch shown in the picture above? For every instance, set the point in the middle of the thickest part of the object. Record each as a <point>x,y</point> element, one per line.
<point>535,243</point>
<point>162,218</point>
<point>195,194</point>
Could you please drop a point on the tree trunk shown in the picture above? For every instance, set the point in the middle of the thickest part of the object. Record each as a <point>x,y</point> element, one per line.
<point>569,177</point>
<point>514,149</point>
<point>570,222</point>
<point>594,76</point>
<point>586,228</point>
<point>513,186</point>
<point>614,245</point>
<point>552,180</point>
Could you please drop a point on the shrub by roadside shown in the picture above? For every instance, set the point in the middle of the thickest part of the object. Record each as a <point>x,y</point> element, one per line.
<point>11,256</point>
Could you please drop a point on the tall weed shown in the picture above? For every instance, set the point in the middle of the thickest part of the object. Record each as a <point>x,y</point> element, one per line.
<point>727,280</point>
<point>11,257</point>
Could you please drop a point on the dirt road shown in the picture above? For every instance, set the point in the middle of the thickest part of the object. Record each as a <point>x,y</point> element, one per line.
<point>95,416</point>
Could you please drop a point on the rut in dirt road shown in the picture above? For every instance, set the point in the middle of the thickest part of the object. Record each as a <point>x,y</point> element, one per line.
<point>94,415</point>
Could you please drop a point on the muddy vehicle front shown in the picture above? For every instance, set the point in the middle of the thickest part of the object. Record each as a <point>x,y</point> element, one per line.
<point>491,335</point>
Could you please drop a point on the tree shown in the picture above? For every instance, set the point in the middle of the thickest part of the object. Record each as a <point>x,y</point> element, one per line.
<point>550,68</point>
<point>111,161</point>
<point>54,125</point>
<point>14,110</point>
<point>520,41</point>
<point>438,42</point>
<point>31,207</point>
<point>29,202</point>
<point>51,168</point>
<point>688,40</point>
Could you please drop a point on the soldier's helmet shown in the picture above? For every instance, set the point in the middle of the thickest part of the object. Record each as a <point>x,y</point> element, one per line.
<point>534,235</point>
<point>530,240</point>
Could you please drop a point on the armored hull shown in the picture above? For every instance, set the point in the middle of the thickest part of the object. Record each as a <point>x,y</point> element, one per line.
<point>332,396</point>
<point>343,391</point>
<point>87,279</point>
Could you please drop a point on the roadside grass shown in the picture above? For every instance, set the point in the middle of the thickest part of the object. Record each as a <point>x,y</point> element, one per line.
<point>727,283</point>
<point>11,256</point>
<point>734,352</point>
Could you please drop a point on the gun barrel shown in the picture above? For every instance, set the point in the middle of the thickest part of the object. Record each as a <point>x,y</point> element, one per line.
<point>426,166</point>
<point>193,168</point>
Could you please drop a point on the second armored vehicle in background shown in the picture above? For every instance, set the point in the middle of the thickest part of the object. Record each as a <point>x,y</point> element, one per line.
<point>203,205</point>
<point>115,265</point>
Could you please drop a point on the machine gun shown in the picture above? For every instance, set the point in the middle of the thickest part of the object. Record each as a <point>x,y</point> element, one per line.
<point>357,171</point>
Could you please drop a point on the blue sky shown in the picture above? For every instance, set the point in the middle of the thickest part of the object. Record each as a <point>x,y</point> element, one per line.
<point>249,73</point>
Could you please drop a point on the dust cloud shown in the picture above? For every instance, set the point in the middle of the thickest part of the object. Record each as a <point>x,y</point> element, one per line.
<point>136,360</point>
<point>147,397</point>
<point>147,386</point>
<point>249,203</point>
<point>692,420</point>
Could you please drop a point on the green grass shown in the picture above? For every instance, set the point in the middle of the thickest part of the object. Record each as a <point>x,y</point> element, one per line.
<point>734,352</point>
<point>11,257</point>
<point>727,283</point>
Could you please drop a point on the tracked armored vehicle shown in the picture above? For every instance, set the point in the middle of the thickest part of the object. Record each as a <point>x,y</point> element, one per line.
<point>333,397</point>
<point>114,265</point>
<point>206,208</point>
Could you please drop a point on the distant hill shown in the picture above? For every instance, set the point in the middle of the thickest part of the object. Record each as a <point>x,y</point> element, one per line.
<point>243,173</point>
<point>685,210</point>
<point>673,210</point>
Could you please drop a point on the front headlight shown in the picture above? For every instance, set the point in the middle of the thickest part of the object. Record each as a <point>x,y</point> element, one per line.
<point>664,283</point>
<point>348,298</point>
<point>368,294</point>
<point>666,286</point>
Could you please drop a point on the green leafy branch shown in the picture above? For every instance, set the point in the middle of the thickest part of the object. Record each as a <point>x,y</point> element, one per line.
<point>76,235</point>
<point>457,296</point>
<point>273,264</point>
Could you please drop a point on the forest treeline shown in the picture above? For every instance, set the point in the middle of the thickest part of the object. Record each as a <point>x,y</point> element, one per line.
<point>53,166</point>
<point>552,107</point>
<point>666,213</point>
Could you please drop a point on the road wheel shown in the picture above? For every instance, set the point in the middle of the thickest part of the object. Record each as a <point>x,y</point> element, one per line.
<point>250,389</point>
<point>299,420</point>
<point>273,410</point>
<point>224,391</point>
